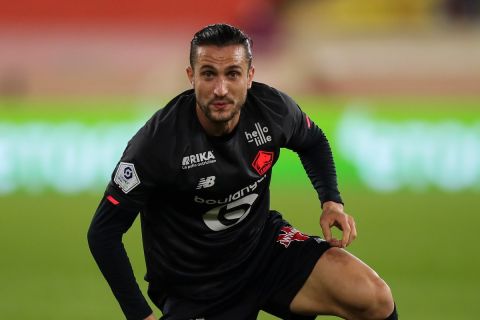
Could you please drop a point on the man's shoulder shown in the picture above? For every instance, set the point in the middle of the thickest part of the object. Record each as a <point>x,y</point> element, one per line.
<point>159,136</point>
<point>173,115</point>
<point>163,125</point>
<point>181,103</point>
<point>271,98</point>
<point>263,90</point>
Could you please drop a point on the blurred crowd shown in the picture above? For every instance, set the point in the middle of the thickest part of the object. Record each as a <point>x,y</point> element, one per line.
<point>57,48</point>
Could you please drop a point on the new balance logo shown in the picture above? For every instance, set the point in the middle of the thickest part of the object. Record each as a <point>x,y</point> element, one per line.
<point>198,159</point>
<point>258,135</point>
<point>206,182</point>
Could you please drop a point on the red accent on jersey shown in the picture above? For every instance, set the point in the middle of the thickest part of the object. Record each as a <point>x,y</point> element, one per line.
<point>309,123</point>
<point>263,161</point>
<point>113,200</point>
<point>290,234</point>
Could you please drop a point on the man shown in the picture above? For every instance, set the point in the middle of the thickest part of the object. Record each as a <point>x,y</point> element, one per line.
<point>199,173</point>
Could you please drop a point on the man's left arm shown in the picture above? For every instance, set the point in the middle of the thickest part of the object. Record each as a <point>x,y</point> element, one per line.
<point>312,146</point>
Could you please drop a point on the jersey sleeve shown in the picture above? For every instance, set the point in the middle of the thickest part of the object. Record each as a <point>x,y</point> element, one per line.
<point>305,138</point>
<point>111,220</point>
<point>136,174</point>
<point>132,182</point>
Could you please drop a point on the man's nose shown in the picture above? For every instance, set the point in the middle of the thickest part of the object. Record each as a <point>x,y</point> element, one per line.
<point>220,88</point>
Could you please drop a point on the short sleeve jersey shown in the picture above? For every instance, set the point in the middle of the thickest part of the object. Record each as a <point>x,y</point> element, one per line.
<point>204,200</point>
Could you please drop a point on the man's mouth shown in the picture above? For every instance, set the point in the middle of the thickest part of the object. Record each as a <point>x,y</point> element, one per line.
<point>221,104</point>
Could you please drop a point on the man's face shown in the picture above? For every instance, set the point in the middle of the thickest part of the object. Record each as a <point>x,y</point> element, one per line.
<point>220,77</point>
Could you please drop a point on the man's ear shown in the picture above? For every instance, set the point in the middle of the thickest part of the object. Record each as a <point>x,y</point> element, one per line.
<point>251,73</point>
<point>190,74</point>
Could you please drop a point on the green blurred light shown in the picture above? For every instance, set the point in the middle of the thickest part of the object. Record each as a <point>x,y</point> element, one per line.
<point>384,153</point>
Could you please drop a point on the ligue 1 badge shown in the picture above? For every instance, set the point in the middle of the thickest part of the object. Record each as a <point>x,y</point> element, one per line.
<point>126,177</point>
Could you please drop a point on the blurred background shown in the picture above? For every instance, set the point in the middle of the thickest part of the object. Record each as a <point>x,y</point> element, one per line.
<point>394,84</point>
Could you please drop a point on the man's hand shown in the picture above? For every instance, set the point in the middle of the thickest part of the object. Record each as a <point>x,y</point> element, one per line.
<point>334,216</point>
<point>150,317</point>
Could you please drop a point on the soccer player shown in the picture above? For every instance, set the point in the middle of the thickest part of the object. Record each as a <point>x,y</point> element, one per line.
<point>199,172</point>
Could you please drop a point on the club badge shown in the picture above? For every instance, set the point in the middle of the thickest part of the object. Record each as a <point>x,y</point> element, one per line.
<point>263,161</point>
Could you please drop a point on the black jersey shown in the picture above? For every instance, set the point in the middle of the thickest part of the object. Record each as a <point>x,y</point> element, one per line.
<point>204,200</point>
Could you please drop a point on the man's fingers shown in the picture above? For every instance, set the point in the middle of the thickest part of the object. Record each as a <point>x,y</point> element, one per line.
<point>345,223</point>
<point>353,230</point>
<point>335,243</point>
<point>345,226</point>
<point>325,225</point>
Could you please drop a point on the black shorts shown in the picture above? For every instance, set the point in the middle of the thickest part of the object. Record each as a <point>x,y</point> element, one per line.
<point>288,263</point>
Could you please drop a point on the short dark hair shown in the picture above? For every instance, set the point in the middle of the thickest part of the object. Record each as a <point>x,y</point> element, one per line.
<point>220,35</point>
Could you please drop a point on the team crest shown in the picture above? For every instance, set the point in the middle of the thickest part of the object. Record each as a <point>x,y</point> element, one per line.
<point>126,177</point>
<point>263,161</point>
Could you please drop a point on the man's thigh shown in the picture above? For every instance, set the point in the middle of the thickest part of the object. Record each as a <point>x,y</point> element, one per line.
<point>338,284</point>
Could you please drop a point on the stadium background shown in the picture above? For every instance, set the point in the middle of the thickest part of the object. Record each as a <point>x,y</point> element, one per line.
<point>395,85</point>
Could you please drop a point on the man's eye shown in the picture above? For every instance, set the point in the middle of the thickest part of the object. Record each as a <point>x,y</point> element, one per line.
<point>207,74</point>
<point>233,74</point>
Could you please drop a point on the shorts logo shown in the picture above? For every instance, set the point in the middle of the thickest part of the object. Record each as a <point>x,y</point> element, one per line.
<point>126,177</point>
<point>289,234</point>
<point>258,135</point>
<point>206,182</point>
<point>263,161</point>
<point>197,160</point>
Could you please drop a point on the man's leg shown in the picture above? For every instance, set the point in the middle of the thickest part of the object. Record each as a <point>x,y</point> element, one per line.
<point>342,285</point>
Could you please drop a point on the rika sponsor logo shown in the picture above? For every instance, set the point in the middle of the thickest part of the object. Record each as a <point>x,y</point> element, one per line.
<point>198,159</point>
<point>206,182</point>
<point>259,135</point>
<point>263,161</point>
<point>289,234</point>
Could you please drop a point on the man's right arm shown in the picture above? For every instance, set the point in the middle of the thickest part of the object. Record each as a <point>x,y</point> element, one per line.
<point>112,219</point>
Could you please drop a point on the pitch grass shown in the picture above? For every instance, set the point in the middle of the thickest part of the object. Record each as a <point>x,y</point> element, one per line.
<point>424,245</point>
